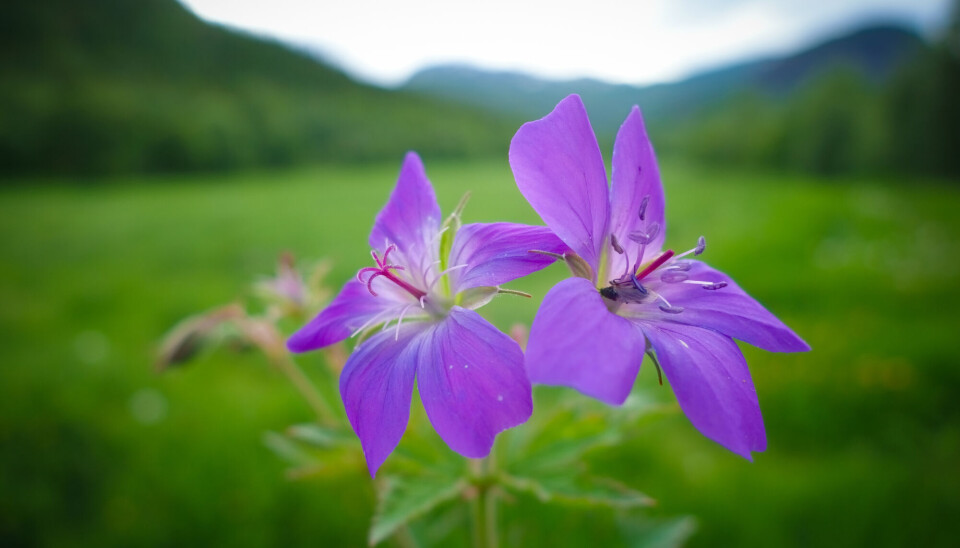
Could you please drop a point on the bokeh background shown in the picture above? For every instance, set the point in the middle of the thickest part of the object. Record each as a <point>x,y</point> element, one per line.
<point>153,164</point>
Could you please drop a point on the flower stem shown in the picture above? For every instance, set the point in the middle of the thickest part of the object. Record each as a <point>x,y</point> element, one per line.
<point>485,505</point>
<point>480,531</point>
<point>303,385</point>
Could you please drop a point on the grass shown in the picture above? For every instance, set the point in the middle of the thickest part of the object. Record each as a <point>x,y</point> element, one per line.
<point>96,449</point>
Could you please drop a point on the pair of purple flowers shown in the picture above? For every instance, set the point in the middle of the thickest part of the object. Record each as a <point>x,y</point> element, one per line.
<point>628,298</point>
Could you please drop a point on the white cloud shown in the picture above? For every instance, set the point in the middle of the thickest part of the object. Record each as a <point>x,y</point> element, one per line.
<point>616,40</point>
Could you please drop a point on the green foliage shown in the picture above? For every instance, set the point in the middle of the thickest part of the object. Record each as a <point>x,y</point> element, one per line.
<point>406,498</point>
<point>839,123</point>
<point>117,86</point>
<point>670,533</point>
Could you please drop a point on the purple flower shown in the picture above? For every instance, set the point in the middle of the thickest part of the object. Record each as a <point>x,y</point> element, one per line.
<point>428,277</point>
<point>591,334</point>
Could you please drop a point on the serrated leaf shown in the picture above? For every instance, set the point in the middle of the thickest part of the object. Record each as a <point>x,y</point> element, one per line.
<point>648,533</point>
<point>559,442</point>
<point>406,498</point>
<point>581,489</point>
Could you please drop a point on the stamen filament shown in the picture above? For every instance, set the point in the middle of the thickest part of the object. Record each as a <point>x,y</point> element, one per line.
<point>377,317</point>
<point>701,246</point>
<point>396,335</point>
<point>444,273</point>
<point>707,285</point>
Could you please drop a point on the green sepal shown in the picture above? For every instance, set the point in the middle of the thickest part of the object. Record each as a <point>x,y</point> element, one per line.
<point>475,297</point>
<point>449,230</point>
<point>578,267</point>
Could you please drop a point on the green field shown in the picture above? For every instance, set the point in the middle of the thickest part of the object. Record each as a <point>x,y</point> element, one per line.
<point>98,450</point>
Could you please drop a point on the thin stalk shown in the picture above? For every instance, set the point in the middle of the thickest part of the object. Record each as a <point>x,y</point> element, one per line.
<point>485,505</point>
<point>481,537</point>
<point>303,385</point>
<point>491,518</point>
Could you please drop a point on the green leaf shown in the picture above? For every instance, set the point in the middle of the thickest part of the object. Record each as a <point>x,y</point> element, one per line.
<point>406,498</point>
<point>578,489</point>
<point>288,449</point>
<point>648,533</point>
<point>323,437</point>
<point>557,441</point>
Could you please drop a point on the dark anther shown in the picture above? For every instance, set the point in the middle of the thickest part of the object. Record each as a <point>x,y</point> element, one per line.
<point>609,293</point>
<point>643,208</point>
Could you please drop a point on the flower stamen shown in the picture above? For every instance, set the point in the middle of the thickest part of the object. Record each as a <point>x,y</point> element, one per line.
<point>700,247</point>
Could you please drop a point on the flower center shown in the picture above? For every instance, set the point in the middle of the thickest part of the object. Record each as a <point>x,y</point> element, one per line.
<point>384,268</point>
<point>670,267</point>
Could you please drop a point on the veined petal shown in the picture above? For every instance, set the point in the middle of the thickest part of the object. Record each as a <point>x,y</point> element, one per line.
<point>376,386</point>
<point>411,219</point>
<point>353,307</point>
<point>497,253</point>
<point>558,168</point>
<point>635,177</point>
<point>472,382</point>
<point>575,341</point>
<point>728,310</point>
<point>713,386</point>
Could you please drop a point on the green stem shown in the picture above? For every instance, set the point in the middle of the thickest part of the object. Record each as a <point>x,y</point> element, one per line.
<point>485,505</point>
<point>303,385</point>
<point>480,531</point>
<point>491,517</point>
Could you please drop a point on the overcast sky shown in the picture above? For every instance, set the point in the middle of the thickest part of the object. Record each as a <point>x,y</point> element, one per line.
<point>620,41</point>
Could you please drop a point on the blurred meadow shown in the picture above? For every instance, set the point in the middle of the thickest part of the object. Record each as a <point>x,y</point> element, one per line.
<point>109,238</point>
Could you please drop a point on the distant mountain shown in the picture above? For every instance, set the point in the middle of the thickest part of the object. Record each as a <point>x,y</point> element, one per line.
<point>110,86</point>
<point>874,52</point>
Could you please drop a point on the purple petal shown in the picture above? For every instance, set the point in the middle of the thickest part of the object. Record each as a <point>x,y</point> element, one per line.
<point>497,253</point>
<point>713,386</point>
<point>411,218</point>
<point>376,386</point>
<point>575,341</point>
<point>729,311</point>
<point>348,311</point>
<point>635,177</point>
<point>559,170</point>
<point>472,382</point>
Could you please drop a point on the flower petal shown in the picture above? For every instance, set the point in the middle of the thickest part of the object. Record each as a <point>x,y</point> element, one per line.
<point>728,310</point>
<point>558,168</point>
<point>635,177</point>
<point>712,383</point>
<point>350,310</point>
<point>575,341</point>
<point>497,253</point>
<point>411,218</point>
<point>472,382</point>
<point>376,386</point>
